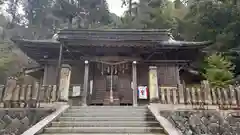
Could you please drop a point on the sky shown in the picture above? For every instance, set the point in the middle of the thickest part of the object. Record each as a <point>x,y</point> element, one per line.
<point>115,6</point>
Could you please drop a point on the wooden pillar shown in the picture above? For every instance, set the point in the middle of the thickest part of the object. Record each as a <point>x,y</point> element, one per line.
<point>58,70</point>
<point>111,89</point>
<point>64,82</point>
<point>85,85</point>
<point>134,80</point>
<point>153,84</point>
<point>45,75</point>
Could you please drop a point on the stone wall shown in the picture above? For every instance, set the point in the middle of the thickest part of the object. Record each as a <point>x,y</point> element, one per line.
<point>16,121</point>
<point>204,122</point>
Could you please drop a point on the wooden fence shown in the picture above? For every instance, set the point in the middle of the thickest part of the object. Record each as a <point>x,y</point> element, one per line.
<point>223,97</point>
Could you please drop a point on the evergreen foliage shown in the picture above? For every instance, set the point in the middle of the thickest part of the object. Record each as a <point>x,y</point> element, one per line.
<point>218,70</point>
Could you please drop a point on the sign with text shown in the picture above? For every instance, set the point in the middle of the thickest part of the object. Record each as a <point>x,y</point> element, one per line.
<point>76,91</point>
<point>142,92</point>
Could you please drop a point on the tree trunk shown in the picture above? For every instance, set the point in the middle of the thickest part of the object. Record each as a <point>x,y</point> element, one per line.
<point>79,18</point>
<point>130,7</point>
<point>30,12</point>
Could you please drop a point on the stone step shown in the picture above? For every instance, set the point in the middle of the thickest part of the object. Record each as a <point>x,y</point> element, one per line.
<point>108,111</point>
<point>109,107</point>
<point>122,107</point>
<point>106,118</point>
<point>108,134</point>
<point>104,130</point>
<point>109,114</point>
<point>106,124</point>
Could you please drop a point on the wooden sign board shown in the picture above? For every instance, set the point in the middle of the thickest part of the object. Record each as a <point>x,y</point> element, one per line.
<point>76,91</point>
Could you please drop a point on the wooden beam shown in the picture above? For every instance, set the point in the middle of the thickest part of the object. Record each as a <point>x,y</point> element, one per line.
<point>165,61</point>
<point>141,61</point>
<point>47,46</point>
<point>111,58</point>
<point>114,37</point>
<point>27,71</point>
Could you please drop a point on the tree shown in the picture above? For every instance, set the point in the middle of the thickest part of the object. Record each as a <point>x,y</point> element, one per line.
<point>9,64</point>
<point>150,14</point>
<point>12,60</point>
<point>218,70</point>
<point>83,13</point>
<point>12,6</point>
<point>128,3</point>
<point>216,20</point>
<point>6,57</point>
<point>37,13</point>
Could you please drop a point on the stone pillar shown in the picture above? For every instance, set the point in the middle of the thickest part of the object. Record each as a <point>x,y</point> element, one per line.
<point>9,89</point>
<point>207,92</point>
<point>64,84</point>
<point>181,93</point>
<point>153,84</point>
<point>85,85</point>
<point>134,82</point>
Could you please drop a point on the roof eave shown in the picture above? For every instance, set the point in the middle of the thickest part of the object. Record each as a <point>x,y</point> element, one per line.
<point>33,69</point>
<point>23,42</point>
<point>186,44</point>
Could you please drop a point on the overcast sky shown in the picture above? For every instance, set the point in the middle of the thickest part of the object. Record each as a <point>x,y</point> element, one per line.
<point>115,6</point>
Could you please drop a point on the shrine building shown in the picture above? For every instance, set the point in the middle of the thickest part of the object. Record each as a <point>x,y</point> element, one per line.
<point>108,67</point>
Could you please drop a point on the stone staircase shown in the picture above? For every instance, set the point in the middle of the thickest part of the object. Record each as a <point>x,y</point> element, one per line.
<point>105,120</point>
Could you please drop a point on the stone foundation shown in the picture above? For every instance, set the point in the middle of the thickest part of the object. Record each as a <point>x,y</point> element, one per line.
<point>209,122</point>
<point>16,121</point>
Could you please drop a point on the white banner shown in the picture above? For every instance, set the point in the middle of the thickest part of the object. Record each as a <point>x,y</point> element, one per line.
<point>142,92</point>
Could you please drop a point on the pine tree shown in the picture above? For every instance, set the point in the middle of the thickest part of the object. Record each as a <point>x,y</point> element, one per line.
<point>219,70</point>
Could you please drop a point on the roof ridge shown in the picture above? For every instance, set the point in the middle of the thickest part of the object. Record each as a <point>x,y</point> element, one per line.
<point>118,30</point>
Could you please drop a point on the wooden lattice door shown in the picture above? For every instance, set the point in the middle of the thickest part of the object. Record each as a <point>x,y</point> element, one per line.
<point>124,89</point>
<point>99,90</point>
